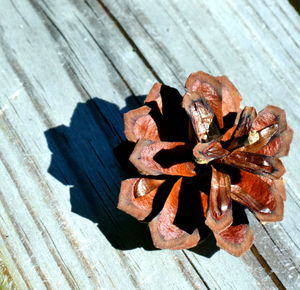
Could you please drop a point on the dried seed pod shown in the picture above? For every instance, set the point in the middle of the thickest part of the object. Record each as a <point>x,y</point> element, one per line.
<point>202,160</point>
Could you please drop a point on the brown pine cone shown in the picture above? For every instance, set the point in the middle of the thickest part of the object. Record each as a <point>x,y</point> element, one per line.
<point>202,159</point>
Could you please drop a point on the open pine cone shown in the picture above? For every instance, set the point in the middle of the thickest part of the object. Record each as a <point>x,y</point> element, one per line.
<point>202,160</point>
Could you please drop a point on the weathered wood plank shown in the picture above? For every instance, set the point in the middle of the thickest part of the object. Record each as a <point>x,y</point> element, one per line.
<point>54,55</point>
<point>249,43</point>
<point>83,251</point>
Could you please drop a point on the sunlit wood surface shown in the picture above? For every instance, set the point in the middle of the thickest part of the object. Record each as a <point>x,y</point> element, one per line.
<point>68,70</point>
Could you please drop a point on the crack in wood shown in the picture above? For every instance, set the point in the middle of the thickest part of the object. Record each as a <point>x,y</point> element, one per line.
<point>195,269</point>
<point>130,40</point>
<point>267,268</point>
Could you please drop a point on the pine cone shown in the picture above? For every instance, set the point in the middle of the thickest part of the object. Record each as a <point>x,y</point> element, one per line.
<point>202,160</point>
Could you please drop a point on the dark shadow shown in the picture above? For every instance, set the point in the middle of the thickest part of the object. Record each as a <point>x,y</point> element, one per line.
<point>295,4</point>
<point>84,157</point>
<point>207,247</point>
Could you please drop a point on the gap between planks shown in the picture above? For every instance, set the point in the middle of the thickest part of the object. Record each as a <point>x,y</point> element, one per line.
<point>129,39</point>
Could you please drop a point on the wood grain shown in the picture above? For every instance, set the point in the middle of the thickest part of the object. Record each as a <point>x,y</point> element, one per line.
<point>69,70</point>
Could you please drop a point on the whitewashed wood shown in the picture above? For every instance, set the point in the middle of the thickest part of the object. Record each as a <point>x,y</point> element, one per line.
<point>85,251</point>
<point>250,44</point>
<point>55,54</point>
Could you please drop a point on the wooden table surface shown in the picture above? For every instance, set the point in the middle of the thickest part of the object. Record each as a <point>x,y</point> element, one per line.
<point>68,71</point>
